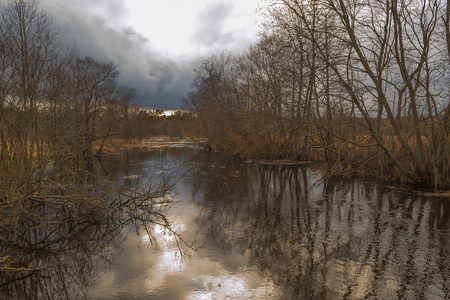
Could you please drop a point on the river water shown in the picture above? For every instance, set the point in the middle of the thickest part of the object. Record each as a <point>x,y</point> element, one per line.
<point>246,230</point>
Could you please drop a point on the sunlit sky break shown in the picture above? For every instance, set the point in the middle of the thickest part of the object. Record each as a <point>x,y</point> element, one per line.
<point>156,44</point>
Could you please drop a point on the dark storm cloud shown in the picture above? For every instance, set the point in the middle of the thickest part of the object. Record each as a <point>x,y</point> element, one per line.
<point>98,29</point>
<point>211,22</point>
<point>163,82</point>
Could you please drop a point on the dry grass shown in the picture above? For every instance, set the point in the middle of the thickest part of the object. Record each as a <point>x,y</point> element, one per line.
<point>116,145</point>
<point>443,194</point>
<point>282,162</point>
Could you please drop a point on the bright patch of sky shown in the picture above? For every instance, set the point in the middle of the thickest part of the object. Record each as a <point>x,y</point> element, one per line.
<point>176,26</point>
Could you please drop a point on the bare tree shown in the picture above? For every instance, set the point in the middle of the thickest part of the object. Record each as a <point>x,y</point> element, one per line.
<point>358,82</point>
<point>214,96</point>
<point>53,107</point>
<point>126,97</point>
<point>29,45</point>
<point>95,85</point>
<point>385,53</point>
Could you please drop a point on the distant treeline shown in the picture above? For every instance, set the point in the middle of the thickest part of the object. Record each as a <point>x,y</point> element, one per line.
<point>180,124</point>
<point>362,85</point>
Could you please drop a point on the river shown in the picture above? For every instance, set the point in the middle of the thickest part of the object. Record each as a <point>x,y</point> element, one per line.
<point>246,230</point>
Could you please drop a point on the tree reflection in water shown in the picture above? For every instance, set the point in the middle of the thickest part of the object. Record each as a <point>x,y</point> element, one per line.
<point>58,255</point>
<point>66,259</point>
<point>313,238</point>
<point>327,239</point>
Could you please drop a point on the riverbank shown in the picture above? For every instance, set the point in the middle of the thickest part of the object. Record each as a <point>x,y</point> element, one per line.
<point>116,145</point>
<point>161,141</point>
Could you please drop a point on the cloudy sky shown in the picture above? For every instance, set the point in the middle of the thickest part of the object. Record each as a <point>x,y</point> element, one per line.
<point>156,43</point>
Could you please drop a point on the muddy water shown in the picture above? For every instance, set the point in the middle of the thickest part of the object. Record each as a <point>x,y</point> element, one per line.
<point>255,231</point>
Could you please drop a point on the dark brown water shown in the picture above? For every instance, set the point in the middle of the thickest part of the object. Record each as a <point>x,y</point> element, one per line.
<point>260,232</point>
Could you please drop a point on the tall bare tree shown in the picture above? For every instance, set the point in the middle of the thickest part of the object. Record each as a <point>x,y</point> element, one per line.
<point>386,57</point>
<point>29,45</point>
<point>96,84</point>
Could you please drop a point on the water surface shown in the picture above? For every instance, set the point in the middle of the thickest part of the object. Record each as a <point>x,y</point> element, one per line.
<point>257,232</point>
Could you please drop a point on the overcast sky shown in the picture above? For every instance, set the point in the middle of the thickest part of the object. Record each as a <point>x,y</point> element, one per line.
<point>156,43</point>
